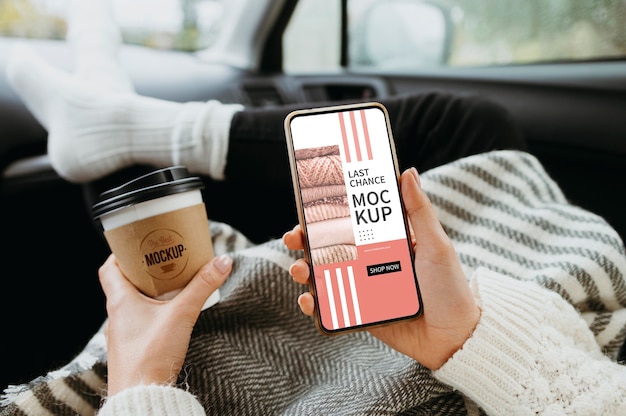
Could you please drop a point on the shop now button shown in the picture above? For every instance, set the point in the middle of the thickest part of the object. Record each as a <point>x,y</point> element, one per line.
<point>383,268</point>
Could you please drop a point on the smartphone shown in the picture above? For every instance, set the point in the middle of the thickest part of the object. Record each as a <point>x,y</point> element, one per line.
<point>357,238</point>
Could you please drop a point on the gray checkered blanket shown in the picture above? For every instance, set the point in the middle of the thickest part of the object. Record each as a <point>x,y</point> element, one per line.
<point>255,353</point>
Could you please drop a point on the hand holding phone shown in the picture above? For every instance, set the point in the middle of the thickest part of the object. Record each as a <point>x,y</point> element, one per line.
<point>357,240</point>
<point>452,312</point>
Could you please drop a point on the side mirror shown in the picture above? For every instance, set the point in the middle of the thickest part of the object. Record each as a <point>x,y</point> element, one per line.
<point>401,34</point>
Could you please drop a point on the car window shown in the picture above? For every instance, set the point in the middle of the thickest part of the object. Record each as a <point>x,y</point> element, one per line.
<point>409,34</point>
<point>382,34</point>
<point>312,39</point>
<point>164,24</point>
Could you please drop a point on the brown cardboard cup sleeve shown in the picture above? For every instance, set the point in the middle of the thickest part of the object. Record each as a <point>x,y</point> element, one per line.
<point>161,254</point>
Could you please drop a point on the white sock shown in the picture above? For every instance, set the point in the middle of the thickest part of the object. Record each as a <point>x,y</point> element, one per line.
<point>93,132</point>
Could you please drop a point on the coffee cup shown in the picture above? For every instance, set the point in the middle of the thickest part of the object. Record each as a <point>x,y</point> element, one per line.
<point>158,229</point>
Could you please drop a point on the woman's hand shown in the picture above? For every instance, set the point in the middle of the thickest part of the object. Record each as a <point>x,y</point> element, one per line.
<point>450,311</point>
<point>147,339</point>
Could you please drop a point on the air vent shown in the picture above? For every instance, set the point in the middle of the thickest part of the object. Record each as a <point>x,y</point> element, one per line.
<point>262,95</point>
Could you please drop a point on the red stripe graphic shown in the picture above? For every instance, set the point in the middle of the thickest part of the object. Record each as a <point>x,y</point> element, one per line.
<point>342,297</point>
<point>368,145</point>
<point>355,137</point>
<point>344,137</point>
<point>356,141</point>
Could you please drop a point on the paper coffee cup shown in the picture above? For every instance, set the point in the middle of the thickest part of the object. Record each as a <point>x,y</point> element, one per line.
<point>157,227</point>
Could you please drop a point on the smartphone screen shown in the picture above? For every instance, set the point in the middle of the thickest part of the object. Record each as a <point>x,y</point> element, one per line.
<point>357,240</point>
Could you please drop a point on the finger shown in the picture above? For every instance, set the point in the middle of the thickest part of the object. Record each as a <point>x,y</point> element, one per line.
<point>294,239</point>
<point>105,330</point>
<point>306,303</point>
<point>299,271</point>
<point>420,211</point>
<point>207,280</point>
<point>113,281</point>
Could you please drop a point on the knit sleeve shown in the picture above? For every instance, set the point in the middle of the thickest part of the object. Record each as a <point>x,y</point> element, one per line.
<point>532,353</point>
<point>153,400</point>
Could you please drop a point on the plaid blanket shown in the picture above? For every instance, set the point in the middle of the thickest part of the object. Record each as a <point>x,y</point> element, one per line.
<point>255,353</point>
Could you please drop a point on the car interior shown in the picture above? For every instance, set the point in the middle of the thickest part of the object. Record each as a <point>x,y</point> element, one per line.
<point>573,115</point>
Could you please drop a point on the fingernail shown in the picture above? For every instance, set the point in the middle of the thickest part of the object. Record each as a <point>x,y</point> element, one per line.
<point>223,263</point>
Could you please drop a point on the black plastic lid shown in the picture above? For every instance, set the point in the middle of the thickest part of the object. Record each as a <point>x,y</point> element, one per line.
<point>162,182</point>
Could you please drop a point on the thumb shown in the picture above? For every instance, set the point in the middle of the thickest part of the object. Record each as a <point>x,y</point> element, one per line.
<point>422,215</point>
<point>207,280</point>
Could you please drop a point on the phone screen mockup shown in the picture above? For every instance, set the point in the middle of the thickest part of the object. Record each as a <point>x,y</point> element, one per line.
<point>357,240</point>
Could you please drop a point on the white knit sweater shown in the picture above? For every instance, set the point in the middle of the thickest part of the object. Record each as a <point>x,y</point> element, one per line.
<point>532,353</point>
